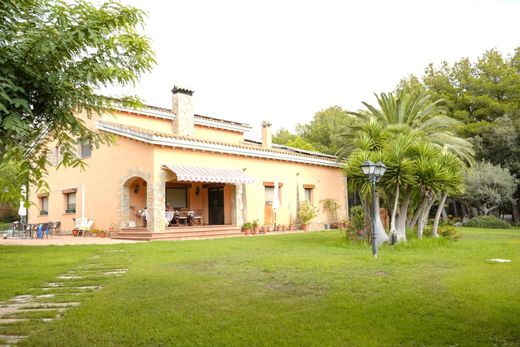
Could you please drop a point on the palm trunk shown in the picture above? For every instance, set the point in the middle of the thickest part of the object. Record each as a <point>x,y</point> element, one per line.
<point>393,232</point>
<point>438,215</point>
<point>381,236</point>
<point>418,212</point>
<point>403,211</point>
<point>423,220</point>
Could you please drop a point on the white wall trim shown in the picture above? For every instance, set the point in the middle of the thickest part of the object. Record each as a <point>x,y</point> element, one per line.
<point>210,147</point>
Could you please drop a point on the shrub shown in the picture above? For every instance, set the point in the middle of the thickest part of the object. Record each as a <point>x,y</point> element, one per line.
<point>446,231</point>
<point>307,212</point>
<point>5,226</point>
<point>357,218</point>
<point>490,222</point>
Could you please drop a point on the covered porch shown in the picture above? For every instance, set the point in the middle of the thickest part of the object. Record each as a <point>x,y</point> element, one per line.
<point>192,201</point>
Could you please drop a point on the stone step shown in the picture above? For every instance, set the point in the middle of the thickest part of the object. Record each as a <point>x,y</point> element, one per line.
<point>180,232</point>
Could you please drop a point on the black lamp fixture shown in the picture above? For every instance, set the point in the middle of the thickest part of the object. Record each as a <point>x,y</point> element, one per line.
<point>137,188</point>
<point>374,172</point>
<point>197,191</point>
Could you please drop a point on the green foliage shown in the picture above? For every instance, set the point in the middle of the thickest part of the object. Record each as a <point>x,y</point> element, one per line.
<point>247,225</point>
<point>488,222</point>
<point>55,55</point>
<point>322,133</point>
<point>307,212</point>
<point>446,231</point>
<point>255,223</point>
<point>357,218</point>
<point>283,136</point>
<point>488,186</point>
<point>298,142</point>
<point>5,226</point>
<point>332,206</point>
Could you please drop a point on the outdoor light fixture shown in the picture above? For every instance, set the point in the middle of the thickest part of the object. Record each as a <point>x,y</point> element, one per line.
<point>197,191</point>
<point>374,172</point>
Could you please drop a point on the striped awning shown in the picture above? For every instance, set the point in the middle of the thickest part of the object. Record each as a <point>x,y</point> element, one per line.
<point>209,174</point>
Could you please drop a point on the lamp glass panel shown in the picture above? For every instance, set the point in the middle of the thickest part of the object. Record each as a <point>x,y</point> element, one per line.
<point>383,169</point>
<point>366,167</point>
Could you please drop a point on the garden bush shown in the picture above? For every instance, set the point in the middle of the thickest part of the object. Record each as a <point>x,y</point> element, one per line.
<point>490,222</point>
<point>5,226</point>
<point>446,231</point>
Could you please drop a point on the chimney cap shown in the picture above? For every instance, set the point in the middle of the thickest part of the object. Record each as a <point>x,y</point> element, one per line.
<point>266,124</point>
<point>179,89</point>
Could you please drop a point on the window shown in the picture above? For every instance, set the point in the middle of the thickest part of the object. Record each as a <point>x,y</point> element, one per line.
<point>70,202</point>
<point>308,192</point>
<point>86,149</point>
<point>44,205</point>
<point>177,197</point>
<point>269,195</point>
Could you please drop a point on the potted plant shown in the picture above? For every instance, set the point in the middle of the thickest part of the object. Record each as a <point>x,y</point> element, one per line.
<point>246,228</point>
<point>267,228</point>
<point>307,212</point>
<point>102,233</point>
<point>331,206</point>
<point>284,227</point>
<point>94,232</point>
<point>255,226</point>
<point>111,229</point>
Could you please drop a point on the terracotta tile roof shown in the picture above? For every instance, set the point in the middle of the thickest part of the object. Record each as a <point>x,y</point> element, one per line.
<point>241,145</point>
<point>212,119</point>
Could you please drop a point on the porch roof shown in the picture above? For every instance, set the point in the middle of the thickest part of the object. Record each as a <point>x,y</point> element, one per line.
<point>208,174</point>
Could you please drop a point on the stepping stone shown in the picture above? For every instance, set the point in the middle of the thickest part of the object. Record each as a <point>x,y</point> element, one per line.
<point>499,260</point>
<point>68,277</point>
<point>54,284</point>
<point>12,320</point>
<point>12,338</point>
<point>45,296</point>
<point>88,287</point>
<point>116,272</point>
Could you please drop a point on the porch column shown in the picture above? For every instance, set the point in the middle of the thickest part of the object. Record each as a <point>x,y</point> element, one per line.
<point>237,206</point>
<point>156,221</point>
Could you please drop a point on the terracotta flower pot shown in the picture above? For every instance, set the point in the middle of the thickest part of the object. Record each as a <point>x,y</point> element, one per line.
<point>305,227</point>
<point>256,230</point>
<point>74,232</point>
<point>102,234</point>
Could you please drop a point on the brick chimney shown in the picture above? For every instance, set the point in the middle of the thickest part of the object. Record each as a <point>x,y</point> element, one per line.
<point>182,106</point>
<point>267,138</point>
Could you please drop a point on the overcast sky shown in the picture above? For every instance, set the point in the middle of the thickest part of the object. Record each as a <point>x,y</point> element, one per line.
<point>286,60</point>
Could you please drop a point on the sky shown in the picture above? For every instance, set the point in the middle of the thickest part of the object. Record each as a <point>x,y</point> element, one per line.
<point>283,61</point>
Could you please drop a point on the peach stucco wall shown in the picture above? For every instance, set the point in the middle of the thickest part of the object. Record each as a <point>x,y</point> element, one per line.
<point>328,182</point>
<point>101,180</point>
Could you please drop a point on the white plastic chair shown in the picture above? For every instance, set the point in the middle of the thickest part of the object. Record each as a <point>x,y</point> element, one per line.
<point>83,224</point>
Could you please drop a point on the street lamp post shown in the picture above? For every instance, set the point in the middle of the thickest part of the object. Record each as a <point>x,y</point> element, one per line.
<point>374,172</point>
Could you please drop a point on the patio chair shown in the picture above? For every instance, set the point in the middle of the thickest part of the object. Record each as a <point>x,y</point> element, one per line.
<point>83,225</point>
<point>31,231</point>
<point>41,230</point>
<point>55,228</point>
<point>197,217</point>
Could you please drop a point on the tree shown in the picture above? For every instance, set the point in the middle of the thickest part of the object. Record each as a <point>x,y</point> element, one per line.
<point>420,122</point>
<point>488,186</point>
<point>54,56</point>
<point>283,136</point>
<point>323,131</point>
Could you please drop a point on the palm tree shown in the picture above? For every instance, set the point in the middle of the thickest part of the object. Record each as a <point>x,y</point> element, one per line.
<point>417,115</point>
<point>453,184</point>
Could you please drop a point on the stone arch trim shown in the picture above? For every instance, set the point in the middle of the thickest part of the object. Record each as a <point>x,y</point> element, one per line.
<point>124,197</point>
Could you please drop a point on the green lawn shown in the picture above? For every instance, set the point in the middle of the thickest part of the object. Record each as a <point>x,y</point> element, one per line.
<point>312,289</point>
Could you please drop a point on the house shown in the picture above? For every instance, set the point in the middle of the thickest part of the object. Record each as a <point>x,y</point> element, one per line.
<point>184,160</point>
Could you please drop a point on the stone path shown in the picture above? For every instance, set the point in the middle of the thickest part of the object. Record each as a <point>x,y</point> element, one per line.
<point>52,300</point>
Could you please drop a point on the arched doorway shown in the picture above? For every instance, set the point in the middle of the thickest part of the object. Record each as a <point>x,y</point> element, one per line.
<point>136,201</point>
